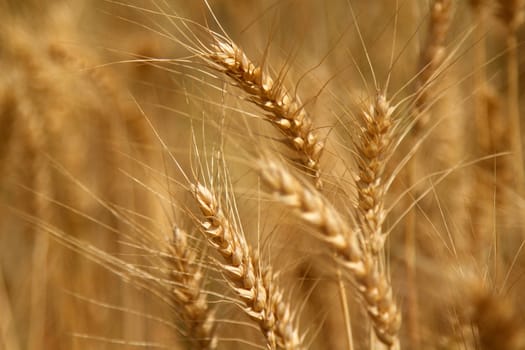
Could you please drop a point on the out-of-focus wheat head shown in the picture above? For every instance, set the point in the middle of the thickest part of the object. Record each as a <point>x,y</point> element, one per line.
<point>256,174</point>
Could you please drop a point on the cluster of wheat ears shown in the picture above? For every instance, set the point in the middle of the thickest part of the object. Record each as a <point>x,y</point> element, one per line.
<point>261,174</point>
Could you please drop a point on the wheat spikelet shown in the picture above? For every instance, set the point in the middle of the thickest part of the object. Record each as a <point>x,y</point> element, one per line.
<point>187,291</point>
<point>354,255</point>
<point>285,112</point>
<point>254,284</point>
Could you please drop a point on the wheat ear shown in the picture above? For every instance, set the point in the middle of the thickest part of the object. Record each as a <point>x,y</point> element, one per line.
<point>373,148</point>
<point>354,255</point>
<point>285,112</point>
<point>430,60</point>
<point>499,325</point>
<point>483,130</point>
<point>253,283</point>
<point>179,289</point>
<point>512,13</point>
<point>433,55</point>
<point>188,278</point>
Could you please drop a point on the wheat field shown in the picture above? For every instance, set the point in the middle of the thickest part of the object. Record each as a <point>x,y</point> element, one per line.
<point>259,174</point>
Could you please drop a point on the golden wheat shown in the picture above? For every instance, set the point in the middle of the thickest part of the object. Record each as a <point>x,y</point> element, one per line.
<point>287,112</point>
<point>143,203</point>
<point>355,252</point>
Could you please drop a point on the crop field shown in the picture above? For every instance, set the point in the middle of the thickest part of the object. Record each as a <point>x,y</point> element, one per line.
<point>262,174</point>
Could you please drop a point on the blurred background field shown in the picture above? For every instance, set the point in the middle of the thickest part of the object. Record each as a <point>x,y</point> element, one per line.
<point>84,105</point>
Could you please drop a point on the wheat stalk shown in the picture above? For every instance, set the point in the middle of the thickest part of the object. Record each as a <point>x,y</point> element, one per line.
<point>512,14</point>
<point>373,149</point>
<point>432,56</point>
<point>285,111</point>
<point>253,283</point>
<point>354,255</point>
<point>188,293</point>
<point>497,322</point>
